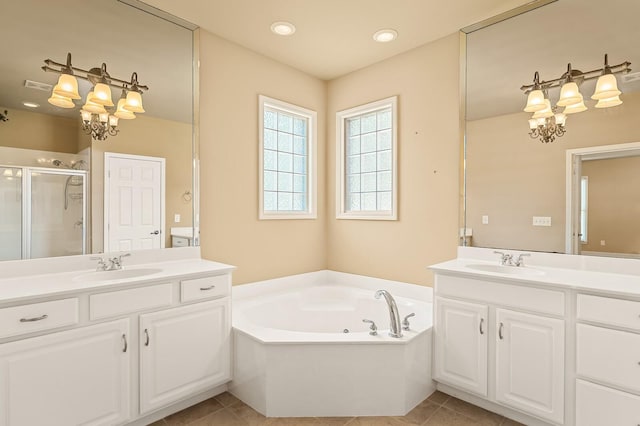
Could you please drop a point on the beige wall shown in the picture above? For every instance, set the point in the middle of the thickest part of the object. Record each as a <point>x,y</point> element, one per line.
<point>32,130</point>
<point>511,177</point>
<point>231,78</point>
<point>426,81</point>
<point>153,137</point>
<point>613,205</point>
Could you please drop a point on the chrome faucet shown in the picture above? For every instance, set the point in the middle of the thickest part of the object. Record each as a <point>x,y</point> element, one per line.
<point>115,263</point>
<point>394,316</point>
<point>506,259</point>
<point>102,265</point>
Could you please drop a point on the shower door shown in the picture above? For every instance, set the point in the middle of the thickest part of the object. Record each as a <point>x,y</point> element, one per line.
<point>11,189</point>
<point>56,213</point>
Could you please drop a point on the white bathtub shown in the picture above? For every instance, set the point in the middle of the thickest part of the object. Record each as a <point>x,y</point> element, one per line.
<point>301,348</point>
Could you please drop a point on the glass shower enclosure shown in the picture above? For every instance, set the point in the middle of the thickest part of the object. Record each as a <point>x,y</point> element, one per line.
<point>42,212</point>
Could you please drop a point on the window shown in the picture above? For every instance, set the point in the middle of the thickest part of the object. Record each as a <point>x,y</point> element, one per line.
<point>367,159</point>
<point>287,161</point>
<point>584,205</point>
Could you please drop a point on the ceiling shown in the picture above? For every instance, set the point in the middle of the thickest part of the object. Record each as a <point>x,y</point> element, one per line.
<point>333,37</point>
<point>503,57</point>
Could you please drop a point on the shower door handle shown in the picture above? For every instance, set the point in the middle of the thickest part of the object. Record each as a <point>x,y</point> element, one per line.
<point>156,232</point>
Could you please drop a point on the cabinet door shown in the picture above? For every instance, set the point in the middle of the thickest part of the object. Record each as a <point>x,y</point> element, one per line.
<point>76,377</point>
<point>530,363</point>
<point>461,345</point>
<point>183,351</point>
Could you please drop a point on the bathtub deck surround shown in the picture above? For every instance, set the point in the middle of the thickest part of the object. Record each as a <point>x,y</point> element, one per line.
<point>301,348</point>
<point>554,342</point>
<point>112,338</point>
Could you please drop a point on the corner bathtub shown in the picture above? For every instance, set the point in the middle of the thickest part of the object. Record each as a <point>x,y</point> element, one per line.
<point>301,348</point>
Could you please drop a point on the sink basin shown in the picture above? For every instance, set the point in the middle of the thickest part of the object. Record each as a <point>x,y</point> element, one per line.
<point>510,270</point>
<point>120,274</point>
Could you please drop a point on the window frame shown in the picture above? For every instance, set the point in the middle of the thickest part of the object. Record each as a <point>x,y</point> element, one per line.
<point>341,118</point>
<point>312,117</point>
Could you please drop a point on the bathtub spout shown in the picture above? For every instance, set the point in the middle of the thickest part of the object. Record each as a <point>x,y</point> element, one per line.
<point>394,316</point>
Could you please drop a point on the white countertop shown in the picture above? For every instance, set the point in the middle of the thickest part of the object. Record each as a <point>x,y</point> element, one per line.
<point>609,283</point>
<point>27,287</point>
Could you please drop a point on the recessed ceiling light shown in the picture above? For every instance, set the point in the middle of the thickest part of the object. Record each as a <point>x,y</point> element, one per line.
<point>283,28</point>
<point>31,104</point>
<point>385,36</point>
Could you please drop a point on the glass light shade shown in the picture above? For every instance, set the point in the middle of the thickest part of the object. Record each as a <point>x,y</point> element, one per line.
<point>609,102</point>
<point>92,106</point>
<point>123,113</point>
<point>67,86</point>
<point>561,119</point>
<point>606,87</point>
<point>535,101</point>
<point>569,94</point>
<point>541,121</point>
<point>102,95</point>
<point>104,117</point>
<point>546,112</point>
<point>533,123</point>
<point>575,108</point>
<point>113,121</point>
<point>7,172</point>
<point>86,115</point>
<point>133,102</point>
<point>61,101</point>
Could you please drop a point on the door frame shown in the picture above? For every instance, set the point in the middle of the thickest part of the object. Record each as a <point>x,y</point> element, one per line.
<point>107,201</point>
<point>574,160</point>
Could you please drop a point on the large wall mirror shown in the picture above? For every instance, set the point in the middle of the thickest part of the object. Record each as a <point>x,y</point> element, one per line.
<point>64,192</point>
<point>577,194</point>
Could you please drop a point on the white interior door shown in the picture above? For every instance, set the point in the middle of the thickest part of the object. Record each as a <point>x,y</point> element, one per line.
<point>134,193</point>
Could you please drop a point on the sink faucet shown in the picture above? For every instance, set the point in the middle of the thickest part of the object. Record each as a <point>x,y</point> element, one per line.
<point>506,259</point>
<point>102,265</point>
<point>115,263</point>
<point>394,316</point>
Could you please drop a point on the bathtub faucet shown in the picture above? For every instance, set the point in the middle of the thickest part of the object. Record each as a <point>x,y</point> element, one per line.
<point>394,316</point>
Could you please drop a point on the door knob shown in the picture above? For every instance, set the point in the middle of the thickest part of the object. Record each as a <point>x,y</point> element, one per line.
<point>156,232</point>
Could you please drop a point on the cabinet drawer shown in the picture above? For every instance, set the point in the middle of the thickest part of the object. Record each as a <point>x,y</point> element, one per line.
<point>122,302</point>
<point>609,356</point>
<point>180,242</point>
<point>205,288</point>
<point>599,405</point>
<point>509,295</point>
<point>37,317</point>
<point>606,310</point>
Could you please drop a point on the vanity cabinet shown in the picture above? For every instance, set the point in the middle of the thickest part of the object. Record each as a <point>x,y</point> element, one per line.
<point>133,353</point>
<point>183,350</point>
<point>484,345</point>
<point>73,377</point>
<point>461,344</point>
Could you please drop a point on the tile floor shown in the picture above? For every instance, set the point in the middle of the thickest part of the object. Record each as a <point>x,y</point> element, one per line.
<point>437,410</point>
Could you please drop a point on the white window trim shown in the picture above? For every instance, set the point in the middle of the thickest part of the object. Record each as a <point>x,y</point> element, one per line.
<point>584,213</point>
<point>341,118</point>
<point>312,150</point>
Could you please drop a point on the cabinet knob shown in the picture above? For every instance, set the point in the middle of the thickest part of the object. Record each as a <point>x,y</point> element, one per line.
<point>481,324</point>
<point>124,341</point>
<point>40,318</point>
<point>146,333</point>
<point>211,287</point>
<point>500,331</point>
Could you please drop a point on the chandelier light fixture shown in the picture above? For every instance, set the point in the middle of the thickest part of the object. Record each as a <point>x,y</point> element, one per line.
<point>547,123</point>
<point>99,114</point>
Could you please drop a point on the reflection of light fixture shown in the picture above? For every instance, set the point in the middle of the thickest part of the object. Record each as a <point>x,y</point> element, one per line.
<point>551,125</point>
<point>96,119</point>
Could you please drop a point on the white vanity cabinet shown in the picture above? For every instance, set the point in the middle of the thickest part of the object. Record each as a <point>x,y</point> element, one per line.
<point>119,352</point>
<point>461,344</point>
<point>488,342</point>
<point>607,361</point>
<point>73,377</point>
<point>183,350</point>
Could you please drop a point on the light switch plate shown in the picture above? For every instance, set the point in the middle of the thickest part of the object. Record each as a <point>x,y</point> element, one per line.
<point>542,221</point>
<point>485,220</point>
<point>176,218</point>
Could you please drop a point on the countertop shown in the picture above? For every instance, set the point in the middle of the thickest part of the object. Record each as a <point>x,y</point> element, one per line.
<point>608,283</point>
<point>27,287</point>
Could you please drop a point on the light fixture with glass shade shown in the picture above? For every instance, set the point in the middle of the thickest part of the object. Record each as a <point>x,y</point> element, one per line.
<point>97,120</point>
<point>546,124</point>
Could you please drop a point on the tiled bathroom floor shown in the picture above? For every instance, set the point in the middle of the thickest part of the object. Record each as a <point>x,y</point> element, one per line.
<point>438,410</point>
